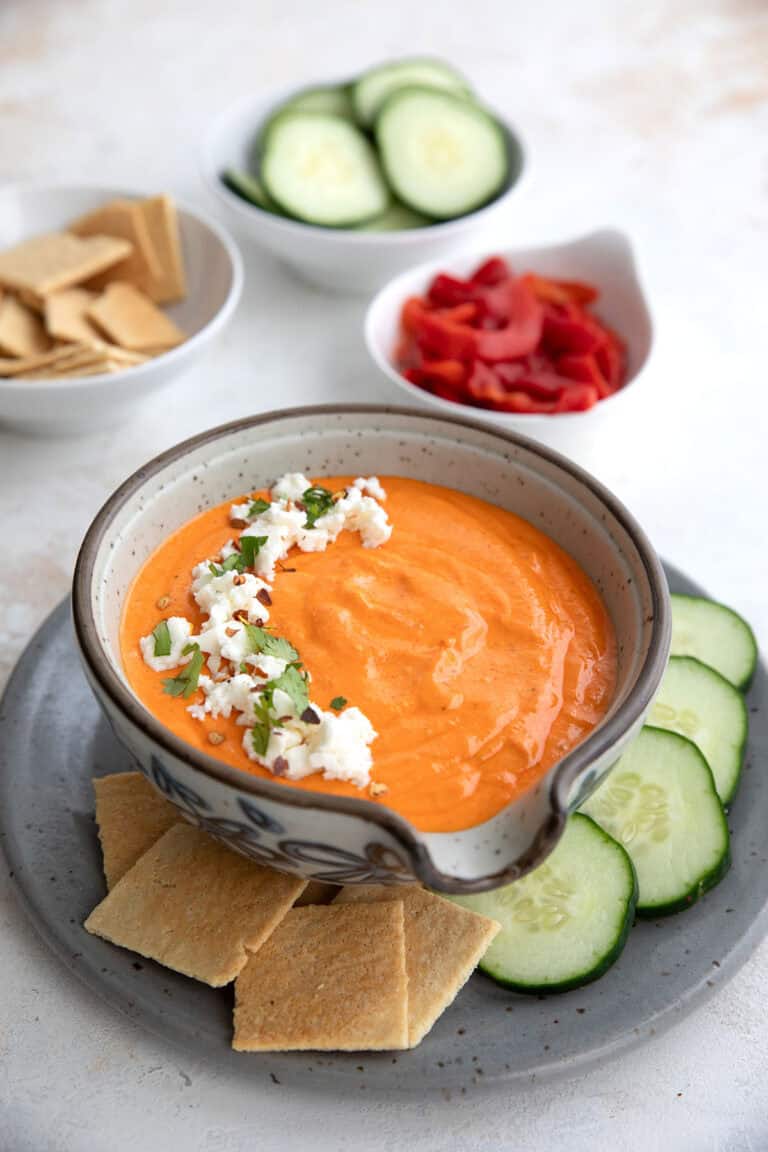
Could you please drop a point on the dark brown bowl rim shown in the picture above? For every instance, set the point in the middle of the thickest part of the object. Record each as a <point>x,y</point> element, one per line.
<point>565,774</point>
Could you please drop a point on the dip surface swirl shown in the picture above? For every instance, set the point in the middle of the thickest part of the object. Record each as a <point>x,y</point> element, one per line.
<point>478,649</point>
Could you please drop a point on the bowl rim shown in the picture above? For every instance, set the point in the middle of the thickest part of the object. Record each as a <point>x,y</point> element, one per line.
<point>412,840</point>
<point>173,355</point>
<point>503,419</point>
<point>349,236</point>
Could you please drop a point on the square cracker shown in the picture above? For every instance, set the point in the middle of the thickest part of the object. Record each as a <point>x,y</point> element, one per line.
<point>162,224</point>
<point>130,319</point>
<point>123,219</point>
<point>57,260</point>
<point>22,332</point>
<point>61,358</point>
<point>443,944</point>
<point>131,816</point>
<point>194,906</point>
<point>65,316</point>
<point>328,978</point>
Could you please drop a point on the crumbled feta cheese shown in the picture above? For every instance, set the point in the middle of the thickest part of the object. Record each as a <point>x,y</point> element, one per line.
<point>180,631</point>
<point>338,747</point>
<point>222,596</point>
<point>370,487</point>
<point>291,486</point>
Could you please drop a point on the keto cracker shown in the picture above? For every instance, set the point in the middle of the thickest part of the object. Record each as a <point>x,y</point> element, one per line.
<point>130,319</point>
<point>195,906</point>
<point>443,945</point>
<point>22,333</point>
<point>123,219</point>
<point>328,978</point>
<point>65,316</point>
<point>131,816</point>
<point>57,260</point>
<point>161,221</point>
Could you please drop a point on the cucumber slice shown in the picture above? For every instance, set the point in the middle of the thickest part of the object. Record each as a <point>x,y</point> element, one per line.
<point>565,923</point>
<point>397,218</point>
<point>441,155</point>
<point>371,89</point>
<point>248,188</point>
<point>660,802</point>
<point>333,100</point>
<point>696,701</point>
<point>322,170</point>
<point>716,635</point>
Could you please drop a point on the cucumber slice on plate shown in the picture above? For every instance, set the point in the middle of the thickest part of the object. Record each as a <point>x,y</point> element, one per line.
<point>565,923</point>
<point>397,218</point>
<point>696,701</point>
<point>443,156</point>
<point>248,188</point>
<point>716,635</point>
<point>333,100</point>
<point>660,802</point>
<point>322,170</point>
<point>371,89</point>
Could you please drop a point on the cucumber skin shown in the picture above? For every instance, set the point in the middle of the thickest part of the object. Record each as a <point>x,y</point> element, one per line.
<point>608,960</point>
<point>342,226</point>
<point>367,125</point>
<point>390,178</point>
<point>743,685</point>
<point>229,179</point>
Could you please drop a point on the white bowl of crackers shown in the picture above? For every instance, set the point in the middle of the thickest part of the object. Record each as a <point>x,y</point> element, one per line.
<point>105,297</point>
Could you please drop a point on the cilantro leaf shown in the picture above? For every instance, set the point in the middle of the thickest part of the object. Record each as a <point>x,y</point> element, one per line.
<point>162,635</point>
<point>338,703</point>
<point>293,683</point>
<point>263,726</point>
<point>233,563</point>
<point>257,507</point>
<point>250,546</point>
<point>185,683</point>
<point>316,501</point>
<point>259,640</point>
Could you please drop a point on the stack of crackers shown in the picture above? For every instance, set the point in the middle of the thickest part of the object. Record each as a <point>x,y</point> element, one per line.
<point>86,301</point>
<point>365,967</point>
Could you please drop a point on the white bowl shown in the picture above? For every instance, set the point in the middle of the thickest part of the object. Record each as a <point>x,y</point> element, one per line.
<point>603,258</point>
<point>343,260</point>
<point>214,281</point>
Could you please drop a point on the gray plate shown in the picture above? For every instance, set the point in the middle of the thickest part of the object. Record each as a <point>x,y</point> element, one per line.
<point>53,740</point>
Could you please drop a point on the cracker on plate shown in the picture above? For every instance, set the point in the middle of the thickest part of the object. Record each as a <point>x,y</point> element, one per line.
<point>57,260</point>
<point>330,977</point>
<point>122,218</point>
<point>161,220</point>
<point>194,906</point>
<point>22,332</point>
<point>65,315</point>
<point>130,319</point>
<point>131,816</point>
<point>443,944</point>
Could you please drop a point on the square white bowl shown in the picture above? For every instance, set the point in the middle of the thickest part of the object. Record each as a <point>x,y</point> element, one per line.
<point>603,258</point>
<point>214,275</point>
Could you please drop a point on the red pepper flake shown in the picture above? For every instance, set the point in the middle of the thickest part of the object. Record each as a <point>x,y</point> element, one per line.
<point>264,597</point>
<point>309,716</point>
<point>280,766</point>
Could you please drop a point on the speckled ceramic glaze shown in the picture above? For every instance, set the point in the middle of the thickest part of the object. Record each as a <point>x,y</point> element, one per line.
<point>356,840</point>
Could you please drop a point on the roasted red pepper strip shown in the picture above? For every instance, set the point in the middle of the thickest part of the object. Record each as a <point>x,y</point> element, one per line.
<point>445,291</point>
<point>561,291</point>
<point>567,330</point>
<point>492,271</point>
<point>578,398</point>
<point>522,332</point>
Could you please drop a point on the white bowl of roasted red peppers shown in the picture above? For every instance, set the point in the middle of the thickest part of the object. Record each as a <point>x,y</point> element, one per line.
<point>521,335</point>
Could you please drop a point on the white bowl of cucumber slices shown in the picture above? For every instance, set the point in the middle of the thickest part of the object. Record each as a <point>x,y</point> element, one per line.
<point>350,183</point>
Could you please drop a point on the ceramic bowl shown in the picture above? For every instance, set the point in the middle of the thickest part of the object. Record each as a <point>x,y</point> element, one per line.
<point>341,259</point>
<point>214,282</point>
<point>604,258</point>
<point>334,838</point>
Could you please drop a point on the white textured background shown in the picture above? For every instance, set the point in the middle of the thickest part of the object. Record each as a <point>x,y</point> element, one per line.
<point>652,116</point>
